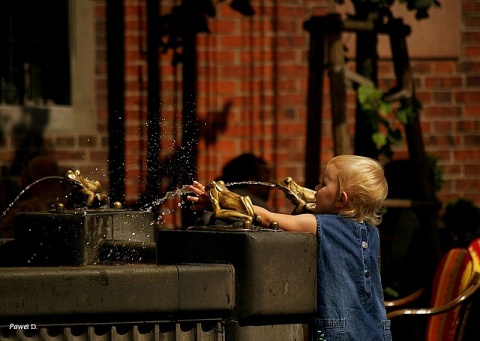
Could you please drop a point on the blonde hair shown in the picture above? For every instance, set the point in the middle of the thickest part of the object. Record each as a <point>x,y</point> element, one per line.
<point>364,182</point>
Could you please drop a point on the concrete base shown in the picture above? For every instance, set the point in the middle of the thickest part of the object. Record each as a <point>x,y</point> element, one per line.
<point>46,295</point>
<point>277,332</point>
<point>276,271</point>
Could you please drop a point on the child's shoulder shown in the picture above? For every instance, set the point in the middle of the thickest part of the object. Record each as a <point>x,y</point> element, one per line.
<point>340,220</point>
<point>333,219</point>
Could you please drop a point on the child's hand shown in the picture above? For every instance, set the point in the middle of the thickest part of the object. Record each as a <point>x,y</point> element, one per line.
<point>202,201</point>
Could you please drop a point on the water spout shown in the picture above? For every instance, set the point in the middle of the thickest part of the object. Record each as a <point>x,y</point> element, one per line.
<point>27,188</point>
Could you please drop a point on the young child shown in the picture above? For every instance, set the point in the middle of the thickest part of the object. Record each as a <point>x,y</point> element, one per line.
<point>349,291</point>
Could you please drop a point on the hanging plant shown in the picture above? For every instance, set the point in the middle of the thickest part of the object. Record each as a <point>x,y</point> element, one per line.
<point>384,118</point>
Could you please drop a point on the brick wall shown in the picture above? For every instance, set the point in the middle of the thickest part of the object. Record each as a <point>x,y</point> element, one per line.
<point>252,76</point>
<point>252,85</point>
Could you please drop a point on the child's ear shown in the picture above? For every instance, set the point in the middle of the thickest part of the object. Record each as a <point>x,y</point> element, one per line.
<point>342,200</point>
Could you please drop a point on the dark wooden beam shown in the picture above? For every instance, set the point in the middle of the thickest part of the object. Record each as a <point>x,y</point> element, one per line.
<point>116,93</point>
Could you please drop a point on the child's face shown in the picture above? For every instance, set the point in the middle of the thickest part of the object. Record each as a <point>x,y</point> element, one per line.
<point>328,192</point>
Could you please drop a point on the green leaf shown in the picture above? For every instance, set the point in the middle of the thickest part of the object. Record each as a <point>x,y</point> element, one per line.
<point>369,97</point>
<point>402,115</point>
<point>380,139</point>
<point>367,92</point>
<point>385,108</point>
<point>405,114</point>
<point>363,94</point>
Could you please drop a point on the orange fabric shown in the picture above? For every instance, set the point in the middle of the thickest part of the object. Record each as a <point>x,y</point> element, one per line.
<point>451,278</point>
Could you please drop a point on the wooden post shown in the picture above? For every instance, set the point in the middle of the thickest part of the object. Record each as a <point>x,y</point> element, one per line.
<point>338,95</point>
<point>116,97</point>
<point>314,101</point>
<point>397,33</point>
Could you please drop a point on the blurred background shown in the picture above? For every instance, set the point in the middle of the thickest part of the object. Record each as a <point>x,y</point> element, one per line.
<point>147,95</point>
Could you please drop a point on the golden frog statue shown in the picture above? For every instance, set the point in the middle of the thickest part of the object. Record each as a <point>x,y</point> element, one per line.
<point>90,191</point>
<point>303,198</point>
<point>231,207</point>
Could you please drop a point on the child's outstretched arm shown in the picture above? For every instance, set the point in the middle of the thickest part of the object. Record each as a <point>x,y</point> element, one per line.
<point>287,222</point>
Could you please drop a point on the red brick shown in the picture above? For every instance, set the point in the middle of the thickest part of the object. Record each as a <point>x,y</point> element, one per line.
<point>424,96</point>
<point>472,169</point>
<point>443,82</point>
<point>442,126</point>
<point>473,81</point>
<point>471,110</point>
<point>442,111</point>
<point>385,68</point>
<point>442,141</point>
<point>471,37</point>
<point>465,155</point>
<point>467,185</point>
<point>421,67</point>
<point>467,126</point>
<point>472,51</point>
<point>444,97</point>
<point>469,66</point>
<point>444,67</point>
<point>467,96</point>
<point>471,22</point>
<point>472,140</point>
<point>471,7</point>
<point>451,170</point>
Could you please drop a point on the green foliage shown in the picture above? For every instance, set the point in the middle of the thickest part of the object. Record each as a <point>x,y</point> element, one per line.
<point>383,117</point>
<point>370,99</point>
<point>432,163</point>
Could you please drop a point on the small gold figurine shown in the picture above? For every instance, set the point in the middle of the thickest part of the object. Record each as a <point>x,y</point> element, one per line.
<point>303,198</point>
<point>91,190</point>
<point>230,206</point>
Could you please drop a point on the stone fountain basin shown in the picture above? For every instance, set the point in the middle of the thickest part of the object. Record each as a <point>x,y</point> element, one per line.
<point>275,271</point>
<point>102,293</point>
<point>77,237</point>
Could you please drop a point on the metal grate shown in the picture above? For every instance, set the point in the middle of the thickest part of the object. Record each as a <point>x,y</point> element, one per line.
<point>188,331</point>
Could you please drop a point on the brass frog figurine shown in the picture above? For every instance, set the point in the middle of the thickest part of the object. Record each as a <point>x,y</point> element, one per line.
<point>303,198</point>
<point>230,206</point>
<point>90,191</point>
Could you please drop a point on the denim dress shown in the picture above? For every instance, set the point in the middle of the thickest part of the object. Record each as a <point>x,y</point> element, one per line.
<point>349,290</point>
